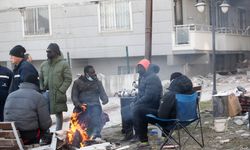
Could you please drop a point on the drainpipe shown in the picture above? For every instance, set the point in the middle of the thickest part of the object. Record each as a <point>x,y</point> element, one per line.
<point>148,30</point>
<point>127,58</point>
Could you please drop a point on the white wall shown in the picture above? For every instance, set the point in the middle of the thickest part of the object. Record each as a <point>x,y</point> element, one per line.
<point>75,29</point>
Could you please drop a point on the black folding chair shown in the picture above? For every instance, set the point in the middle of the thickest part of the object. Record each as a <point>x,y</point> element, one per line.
<point>188,112</point>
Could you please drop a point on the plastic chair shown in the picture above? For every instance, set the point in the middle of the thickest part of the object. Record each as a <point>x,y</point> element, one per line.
<point>188,112</point>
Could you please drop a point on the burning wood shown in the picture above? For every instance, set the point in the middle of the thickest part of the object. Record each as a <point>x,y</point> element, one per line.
<point>77,134</point>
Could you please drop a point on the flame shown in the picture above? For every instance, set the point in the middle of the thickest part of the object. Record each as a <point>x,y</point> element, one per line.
<point>76,126</point>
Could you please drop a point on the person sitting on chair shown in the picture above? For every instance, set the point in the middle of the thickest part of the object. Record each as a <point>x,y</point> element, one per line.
<point>29,110</point>
<point>180,84</point>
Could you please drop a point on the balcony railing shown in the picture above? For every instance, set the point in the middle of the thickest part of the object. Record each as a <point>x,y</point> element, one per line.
<point>182,32</point>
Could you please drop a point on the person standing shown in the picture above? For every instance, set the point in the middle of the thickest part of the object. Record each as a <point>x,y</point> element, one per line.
<point>5,81</point>
<point>55,76</point>
<point>21,68</point>
<point>29,110</point>
<point>87,89</point>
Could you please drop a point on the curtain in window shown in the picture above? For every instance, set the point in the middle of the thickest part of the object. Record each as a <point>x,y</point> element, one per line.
<point>115,15</point>
<point>36,21</point>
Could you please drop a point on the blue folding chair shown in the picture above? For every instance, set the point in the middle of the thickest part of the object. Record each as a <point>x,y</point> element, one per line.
<point>187,113</point>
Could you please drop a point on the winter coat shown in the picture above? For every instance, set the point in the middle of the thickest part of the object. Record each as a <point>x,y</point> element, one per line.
<point>150,88</point>
<point>180,85</point>
<point>21,70</point>
<point>28,108</point>
<point>55,76</point>
<point>5,81</point>
<point>88,92</point>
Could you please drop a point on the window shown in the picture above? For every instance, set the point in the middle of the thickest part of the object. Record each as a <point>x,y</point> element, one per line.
<point>36,21</point>
<point>115,15</point>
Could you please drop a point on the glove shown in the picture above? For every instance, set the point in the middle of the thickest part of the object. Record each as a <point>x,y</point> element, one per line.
<point>105,102</point>
<point>78,104</point>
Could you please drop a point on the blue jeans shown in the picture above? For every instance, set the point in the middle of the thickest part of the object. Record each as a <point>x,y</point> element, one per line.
<point>92,119</point>
<point>46,96</point>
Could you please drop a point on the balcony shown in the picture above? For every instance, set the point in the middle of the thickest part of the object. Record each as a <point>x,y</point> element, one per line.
<point>195,38</point>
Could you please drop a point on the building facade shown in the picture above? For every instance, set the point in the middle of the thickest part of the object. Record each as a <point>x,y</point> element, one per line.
<point>97,32</point>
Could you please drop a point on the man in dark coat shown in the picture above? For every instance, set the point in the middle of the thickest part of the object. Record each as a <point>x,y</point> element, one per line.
<point>5,81</point>
<point>29,110</point>
<point>181,84</point>
<point>87,89</point>
<point>55,78</point>
<point>150,92</point>
<point>22,68</point>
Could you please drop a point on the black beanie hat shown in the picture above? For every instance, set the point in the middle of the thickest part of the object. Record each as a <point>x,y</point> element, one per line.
<point>54,47</point>
<point>18,51</point>
<point>175,75</point>
<point>31,79</point>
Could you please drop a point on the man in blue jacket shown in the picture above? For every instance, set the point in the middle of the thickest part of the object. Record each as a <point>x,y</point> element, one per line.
<point>21,68</point>
<point>5,81</point>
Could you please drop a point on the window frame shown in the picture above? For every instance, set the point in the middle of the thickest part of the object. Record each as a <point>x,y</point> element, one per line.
<point>49,18</point>
<point>115,30</point>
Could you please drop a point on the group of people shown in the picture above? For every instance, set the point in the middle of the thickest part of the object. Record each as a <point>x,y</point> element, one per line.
<point>29,98</point>
<point>151,100</point>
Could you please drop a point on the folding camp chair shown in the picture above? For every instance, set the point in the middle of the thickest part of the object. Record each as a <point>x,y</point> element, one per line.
<point>188,112</point>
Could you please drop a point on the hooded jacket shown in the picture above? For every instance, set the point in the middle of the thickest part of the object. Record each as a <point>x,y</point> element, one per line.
<point>88,92</point>
<point>55,76</point>
<point>28,108</point>
<point>150,88</point>
<point>180,85</point>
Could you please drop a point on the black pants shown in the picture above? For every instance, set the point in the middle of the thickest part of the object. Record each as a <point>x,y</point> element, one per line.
<point>127,119</point>
<point>30,137</point>
<point>140,120</point>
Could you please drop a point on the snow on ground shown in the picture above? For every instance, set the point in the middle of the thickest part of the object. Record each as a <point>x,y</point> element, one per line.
<point>226,83</point>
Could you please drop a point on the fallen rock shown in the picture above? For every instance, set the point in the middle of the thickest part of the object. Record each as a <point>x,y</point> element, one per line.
<point>224,141</point>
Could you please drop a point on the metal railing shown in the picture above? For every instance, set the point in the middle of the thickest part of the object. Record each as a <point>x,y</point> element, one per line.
<point>182,31</point>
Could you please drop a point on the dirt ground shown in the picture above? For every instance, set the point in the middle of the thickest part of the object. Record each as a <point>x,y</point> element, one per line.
<point>236,137</point>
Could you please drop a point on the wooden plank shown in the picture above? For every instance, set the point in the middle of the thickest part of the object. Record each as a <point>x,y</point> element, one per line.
<point>5,125</point>
<point>8,143</point>
<point>7,134</point>
<point>20,144</point>
<point>8,148</point>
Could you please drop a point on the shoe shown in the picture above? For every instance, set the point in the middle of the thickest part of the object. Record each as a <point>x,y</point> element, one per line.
<point>128,136</point>
<point>134,139</point>
<point>143,145</point>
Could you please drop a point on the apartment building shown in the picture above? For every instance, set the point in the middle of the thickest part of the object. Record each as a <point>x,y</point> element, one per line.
<point>97,32</point>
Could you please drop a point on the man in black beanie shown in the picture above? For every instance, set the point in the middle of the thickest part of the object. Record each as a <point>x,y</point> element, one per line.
<point>22,68</point>
<point>55,78</point>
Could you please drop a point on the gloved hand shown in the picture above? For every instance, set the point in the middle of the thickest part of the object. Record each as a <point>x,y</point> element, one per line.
<point>78,104</point>
<point>104,102</point>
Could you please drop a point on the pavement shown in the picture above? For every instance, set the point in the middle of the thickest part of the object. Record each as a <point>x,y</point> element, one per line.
<point>112,109</point>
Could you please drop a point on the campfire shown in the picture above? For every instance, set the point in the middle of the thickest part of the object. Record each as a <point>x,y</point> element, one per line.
<point>77,134</point>
<point>76,137</point>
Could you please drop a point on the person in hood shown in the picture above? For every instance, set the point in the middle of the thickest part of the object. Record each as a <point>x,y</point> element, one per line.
<point>88,90</point>
<point>29,110</point>
<point>55,78</point>
<point>180,84</point>
<point>149,95</point>
<point>22,67</point>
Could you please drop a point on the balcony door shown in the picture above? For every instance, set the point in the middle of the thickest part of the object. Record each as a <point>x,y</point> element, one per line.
<point>178,13</point>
